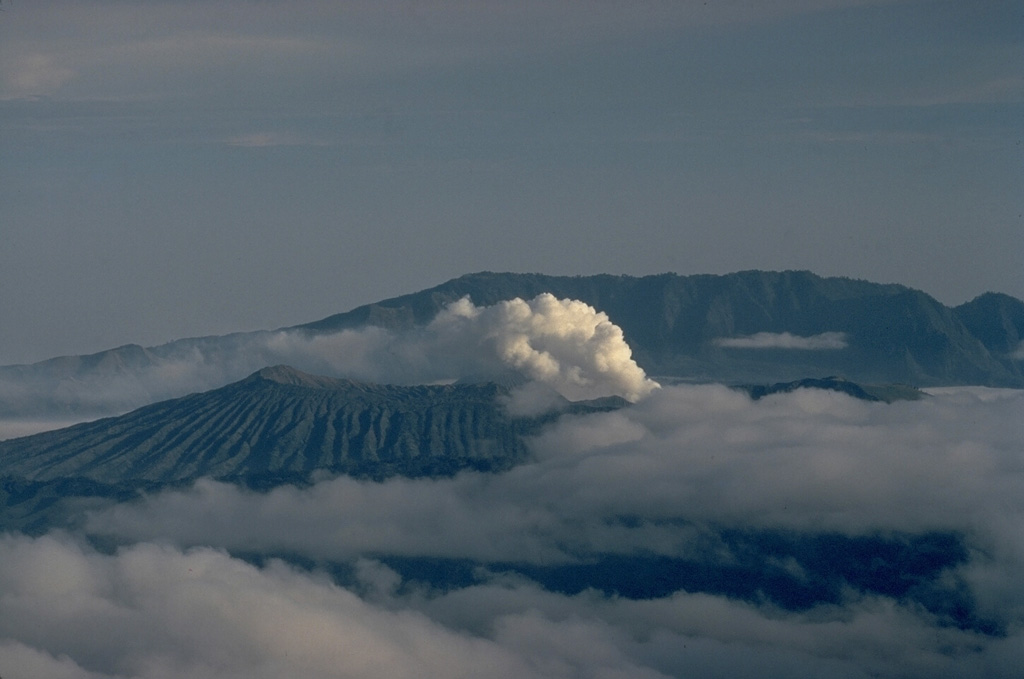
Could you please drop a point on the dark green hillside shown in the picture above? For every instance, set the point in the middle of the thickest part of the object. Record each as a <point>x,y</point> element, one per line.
<point>996,320</point>
<point>280,425</point>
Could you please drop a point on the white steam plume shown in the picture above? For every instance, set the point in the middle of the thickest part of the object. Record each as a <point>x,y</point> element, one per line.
<point>565,344</point>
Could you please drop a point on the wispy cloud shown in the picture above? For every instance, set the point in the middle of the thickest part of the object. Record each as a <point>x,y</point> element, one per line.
<point>268,139</point>
<point>785,340</point>
<point>32,75</point>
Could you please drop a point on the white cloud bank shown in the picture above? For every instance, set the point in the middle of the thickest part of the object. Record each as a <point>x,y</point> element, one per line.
<point>808,461</point>
<point>154,612</point>
<point>785,340</point>
<point>662,477</point>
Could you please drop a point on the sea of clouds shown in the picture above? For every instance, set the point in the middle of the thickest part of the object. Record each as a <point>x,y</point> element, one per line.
<point>684,465</point>
<point>182,583</point>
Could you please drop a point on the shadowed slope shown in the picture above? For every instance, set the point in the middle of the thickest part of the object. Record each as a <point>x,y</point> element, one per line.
<point>280,424</point>
<point>997,320</point>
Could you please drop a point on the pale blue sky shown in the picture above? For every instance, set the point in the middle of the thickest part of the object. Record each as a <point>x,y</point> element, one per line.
<point>173,168</point>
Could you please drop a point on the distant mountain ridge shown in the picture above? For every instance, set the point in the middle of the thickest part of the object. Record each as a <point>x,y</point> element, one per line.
<point>674,324</point>
<point>997,320</point>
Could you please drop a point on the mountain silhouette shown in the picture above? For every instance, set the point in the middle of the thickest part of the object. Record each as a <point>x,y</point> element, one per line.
<point>673,324</point>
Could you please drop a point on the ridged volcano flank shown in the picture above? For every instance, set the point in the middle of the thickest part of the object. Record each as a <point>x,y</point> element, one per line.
<point>280,424</point>
<point>287,375</point>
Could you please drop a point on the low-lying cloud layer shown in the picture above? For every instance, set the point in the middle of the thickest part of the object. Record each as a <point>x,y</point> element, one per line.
<point>785,340</point>
<point>677,476</point>
<point>155,611</point>
<point>808,461</point>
